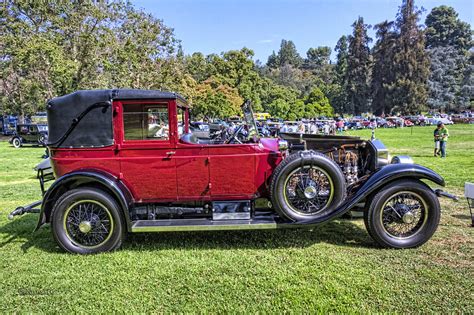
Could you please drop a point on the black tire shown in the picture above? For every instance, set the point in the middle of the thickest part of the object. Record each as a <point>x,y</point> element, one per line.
<point>426,225</point>
<point>108,216</point>
<point>16,142</point>
<point>291,164</point>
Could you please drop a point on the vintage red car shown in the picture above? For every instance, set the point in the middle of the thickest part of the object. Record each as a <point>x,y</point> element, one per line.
<point>124,162</point>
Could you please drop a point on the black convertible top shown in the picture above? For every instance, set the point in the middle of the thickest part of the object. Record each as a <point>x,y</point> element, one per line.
<point>83,119</point>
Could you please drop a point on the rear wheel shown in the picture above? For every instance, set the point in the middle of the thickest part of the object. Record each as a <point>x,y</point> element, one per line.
<point>42,140</point>
<point>17,142</point>
<point>87,221</point>
<point>404,214</point>
<point>307,186</point>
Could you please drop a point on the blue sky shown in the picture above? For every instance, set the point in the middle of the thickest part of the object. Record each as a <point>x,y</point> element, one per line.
<point>213,26</point>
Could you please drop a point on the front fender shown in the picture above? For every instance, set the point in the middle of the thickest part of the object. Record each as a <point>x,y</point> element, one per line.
<point>380,178</point>
<point>75,179</point>
<point>395,171</point>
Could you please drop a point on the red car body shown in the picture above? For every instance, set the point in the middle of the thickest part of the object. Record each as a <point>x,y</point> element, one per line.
<point>172,170</point>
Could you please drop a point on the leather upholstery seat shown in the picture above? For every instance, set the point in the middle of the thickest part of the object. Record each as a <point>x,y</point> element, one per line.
<point>192,139</point>
<point>189,138</point>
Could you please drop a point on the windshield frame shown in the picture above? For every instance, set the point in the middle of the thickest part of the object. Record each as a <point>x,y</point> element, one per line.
<point>250,119</point>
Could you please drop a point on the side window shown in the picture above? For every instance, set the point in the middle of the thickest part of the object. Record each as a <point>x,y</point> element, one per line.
<point>181,121</point>
<point>146,122</point>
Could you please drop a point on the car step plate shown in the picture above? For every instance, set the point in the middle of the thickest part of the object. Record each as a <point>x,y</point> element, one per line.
<point>259,223</point>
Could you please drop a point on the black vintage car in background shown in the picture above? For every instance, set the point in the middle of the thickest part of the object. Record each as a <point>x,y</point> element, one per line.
<point>36,134</point>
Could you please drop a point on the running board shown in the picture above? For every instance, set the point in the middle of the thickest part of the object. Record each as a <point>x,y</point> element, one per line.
<point>259,223</point>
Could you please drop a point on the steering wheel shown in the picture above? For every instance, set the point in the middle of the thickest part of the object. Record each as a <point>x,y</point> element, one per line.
<point>234,135</point>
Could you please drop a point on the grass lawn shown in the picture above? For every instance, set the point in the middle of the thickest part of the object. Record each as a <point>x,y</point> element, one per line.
<point>335,267</point>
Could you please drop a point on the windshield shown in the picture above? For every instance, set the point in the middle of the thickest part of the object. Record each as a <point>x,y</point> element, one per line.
<point>250,119</point>
<point>42,128</point>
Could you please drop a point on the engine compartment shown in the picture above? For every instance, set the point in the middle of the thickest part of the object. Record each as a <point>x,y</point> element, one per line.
<point>356,157</point>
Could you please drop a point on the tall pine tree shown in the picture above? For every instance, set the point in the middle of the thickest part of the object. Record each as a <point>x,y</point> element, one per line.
<point>412,62</point>
<point>444,28</point>
<point>338,91</point>
<point>444,77</point>
<point>383,70</point>
<point>358,68</point>
<point>448,40</point>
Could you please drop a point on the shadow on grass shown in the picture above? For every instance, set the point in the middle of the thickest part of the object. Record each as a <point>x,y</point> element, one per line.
<point>340,232</point>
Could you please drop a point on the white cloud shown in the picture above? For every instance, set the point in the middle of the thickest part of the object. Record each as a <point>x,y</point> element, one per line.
<point>265,41</point>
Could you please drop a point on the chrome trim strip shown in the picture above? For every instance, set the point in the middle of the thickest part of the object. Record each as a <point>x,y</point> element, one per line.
<point>210,226</point>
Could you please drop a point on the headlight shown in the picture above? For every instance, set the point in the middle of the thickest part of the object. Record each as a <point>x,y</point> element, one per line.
<point>402,159</point>
<point>282,145</point>
<point>383,158</point>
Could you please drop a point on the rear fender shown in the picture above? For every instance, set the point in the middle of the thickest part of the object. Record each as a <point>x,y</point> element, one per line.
<point>384,176</point>
<point>94,178</point>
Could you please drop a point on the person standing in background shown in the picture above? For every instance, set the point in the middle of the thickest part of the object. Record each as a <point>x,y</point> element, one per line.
<point>326,128</point>
<point>313,129</point>
<point>340,125</point>
<point>443,134</point>
<point>301,128</point>
<point>436,140</point>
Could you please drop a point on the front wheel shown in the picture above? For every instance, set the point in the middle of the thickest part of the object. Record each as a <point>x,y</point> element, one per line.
<point>307,186</point>
<point>87,221</point>
<point>17,143</point>
<point>405,214</point>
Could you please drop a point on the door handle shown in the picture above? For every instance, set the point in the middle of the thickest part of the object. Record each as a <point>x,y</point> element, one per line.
<point>170,152</point>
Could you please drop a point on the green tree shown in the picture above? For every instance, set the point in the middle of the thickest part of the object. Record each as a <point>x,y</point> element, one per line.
<point>358,68</point>
<point>443,81</point>
<point>448,40</point>
<point>297,110</point>
<point>337,91</point>
<point>318,57</point>
<point>318,62</point>
<point>412,63</point>
<point>197,66</point>
<point>215,100</point>
<point>50,50</point>
<point>383,68</point>
<point>277,99</point>
<point>466,90</point>
<point>317,104</point>
<point>273,60</point>
<point>444,28</point>
<point>286,55</point>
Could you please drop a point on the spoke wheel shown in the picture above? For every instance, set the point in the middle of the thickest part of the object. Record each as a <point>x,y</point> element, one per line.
<point>88,223</point>
<point>404,214</point>
<point>309,190</point>
<point>307,186</point>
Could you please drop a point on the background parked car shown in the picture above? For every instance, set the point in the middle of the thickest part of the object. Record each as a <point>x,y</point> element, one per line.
<point>462,118</point>
<point>381,122</point>
<point>29,134</point>
<point>445,120</point>
<point>8,124</point>
<point>354,124</point>
<point>199,129</point>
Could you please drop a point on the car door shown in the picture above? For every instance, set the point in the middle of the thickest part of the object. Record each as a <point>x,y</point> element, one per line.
<point>192,163</point>
<point>232,171</point>
<point>146,148</point>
